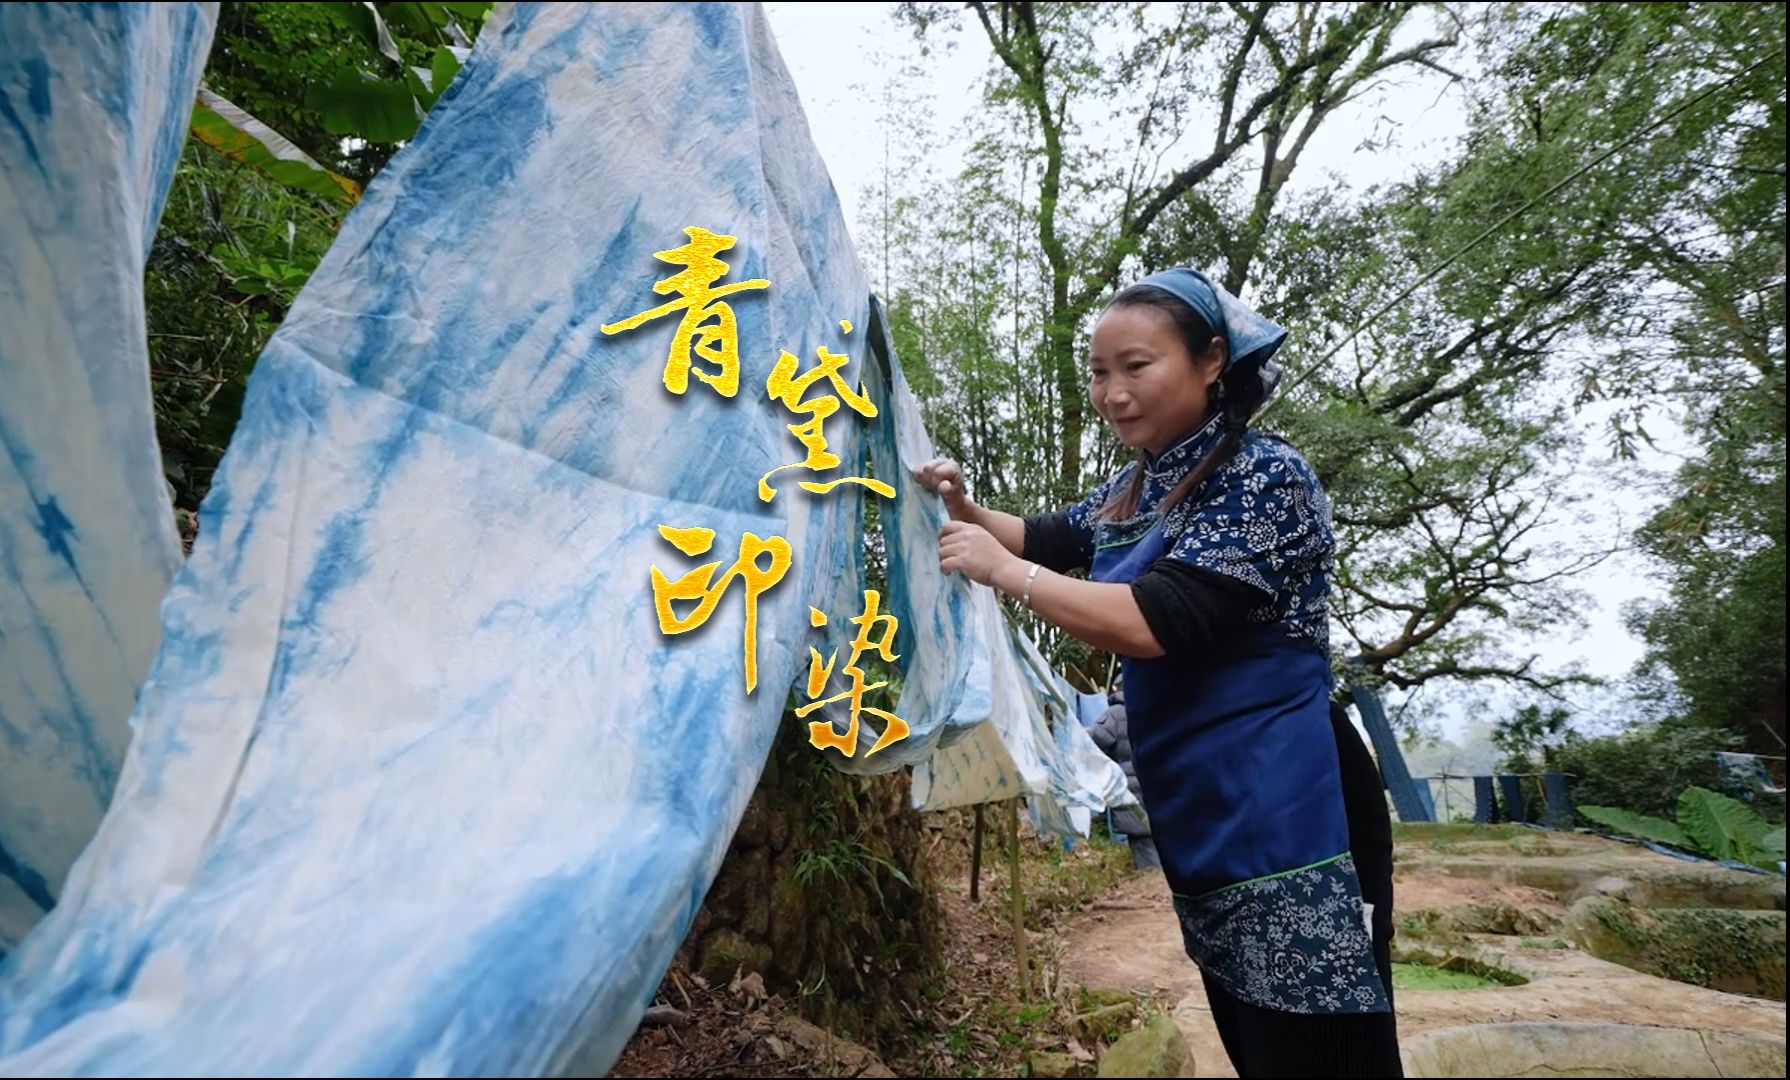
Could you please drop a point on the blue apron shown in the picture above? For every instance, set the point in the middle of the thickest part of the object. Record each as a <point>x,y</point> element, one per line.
<point>1241,782</point>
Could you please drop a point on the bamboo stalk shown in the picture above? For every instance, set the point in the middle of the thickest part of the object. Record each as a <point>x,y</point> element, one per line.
<point>1019,922</point>
<point>976,860</point>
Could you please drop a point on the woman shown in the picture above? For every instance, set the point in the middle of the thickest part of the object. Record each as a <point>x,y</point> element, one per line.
<point>1208,565</point>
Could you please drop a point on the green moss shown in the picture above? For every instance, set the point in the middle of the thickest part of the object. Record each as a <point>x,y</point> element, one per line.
<point>1721,949</point>
<point>1429,977</point>
<point>1423,832</point>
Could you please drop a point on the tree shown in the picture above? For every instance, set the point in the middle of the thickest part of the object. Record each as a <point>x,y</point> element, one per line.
<point>1694,95</point>
<point>1443,329</point>
<point>1529,737</point>
<point>1285,68</point>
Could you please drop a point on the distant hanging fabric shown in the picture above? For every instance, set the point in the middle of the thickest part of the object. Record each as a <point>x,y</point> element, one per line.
<point>1559,811</point>
<point>1405,799</point>
<point>1485,801</point>
<point>1512,789</point>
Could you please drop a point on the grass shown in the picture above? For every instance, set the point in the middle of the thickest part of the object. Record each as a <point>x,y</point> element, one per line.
<point>846,860</point>
<point>1430,977</point>
<point>1427,967</point>
<point>1426,832</point>
<point>1055,880</point>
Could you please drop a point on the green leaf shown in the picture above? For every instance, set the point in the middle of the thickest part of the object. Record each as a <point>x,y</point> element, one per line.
<point>442,69</point>
<point>230,131</point>
<point>471,10</point>
<point>418,80</point>
<point>366,18</point>
<point>1721,826</point>
<point>355,104</point>
<point>1772,843</point>
<point>1628,823</point>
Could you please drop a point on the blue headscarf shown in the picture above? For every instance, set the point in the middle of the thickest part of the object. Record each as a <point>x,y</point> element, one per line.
<point>1250,373</point>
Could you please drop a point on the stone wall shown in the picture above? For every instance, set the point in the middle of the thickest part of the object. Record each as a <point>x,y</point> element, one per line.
<point>826,894</point>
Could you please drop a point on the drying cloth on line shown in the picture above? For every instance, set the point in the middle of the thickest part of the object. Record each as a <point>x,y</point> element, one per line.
<point>389,808</point>
<point>1397,775</point>
<point>1485,801</point>
<point>1512,789</point>
<point>1427,796</point>
<point>1747,773</point>
<point>1558,813</point>
<point>94,101</point>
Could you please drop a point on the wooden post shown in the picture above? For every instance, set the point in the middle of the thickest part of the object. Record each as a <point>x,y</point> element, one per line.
<point>976,860</point>
<point>1019,922</point>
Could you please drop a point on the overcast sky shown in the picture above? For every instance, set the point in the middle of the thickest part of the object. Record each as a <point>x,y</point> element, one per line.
<point>837,54</point>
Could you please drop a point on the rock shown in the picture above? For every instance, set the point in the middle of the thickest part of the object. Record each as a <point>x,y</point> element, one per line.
<point>788,919</point>
<point>726,951</point>
<point>1052,1065</point>
<point>1741,952</point>
<point>1611,885</point>
<point>1090,997</point>
<point>755,824</point>
<point>1093,1027</point>
<point>853,1060</point>
<point>1156,1049</point>
<point>1553,1049</point>
<point>754,872</point>
<point>726,896</point>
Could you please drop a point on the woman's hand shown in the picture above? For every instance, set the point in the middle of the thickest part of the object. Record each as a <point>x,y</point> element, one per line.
<point>943,476</point>
<point>972,551</point>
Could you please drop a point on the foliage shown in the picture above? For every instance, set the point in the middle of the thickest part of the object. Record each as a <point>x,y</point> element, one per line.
<point>233,249</point>
<point>221,125</point>
<point>1628,823</point>
<point>236,243</point>
<point>347,83</point>
<point>847,861</point>
<point>1644,770</point>
<point>1443,431</point>
<point>1711,340</point>
<point>1708,822</point>
<point>1531,730</point>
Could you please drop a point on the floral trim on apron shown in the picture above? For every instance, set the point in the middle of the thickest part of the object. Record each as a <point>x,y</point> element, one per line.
<point>1295,942</point>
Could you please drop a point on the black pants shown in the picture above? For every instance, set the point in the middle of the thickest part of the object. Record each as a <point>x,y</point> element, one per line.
<point>1267,1043</point>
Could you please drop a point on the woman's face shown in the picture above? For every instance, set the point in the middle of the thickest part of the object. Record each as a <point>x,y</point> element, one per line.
<point>1143,380</point>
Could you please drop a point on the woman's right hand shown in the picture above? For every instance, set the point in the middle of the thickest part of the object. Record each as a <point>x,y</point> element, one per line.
<point>943,476</point>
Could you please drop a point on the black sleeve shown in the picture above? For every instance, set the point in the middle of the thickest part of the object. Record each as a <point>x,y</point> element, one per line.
<point>1189,609</point>
<point>1051,543</point>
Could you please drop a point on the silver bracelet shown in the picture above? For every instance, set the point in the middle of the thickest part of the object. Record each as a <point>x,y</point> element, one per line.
<point>1027,599</point>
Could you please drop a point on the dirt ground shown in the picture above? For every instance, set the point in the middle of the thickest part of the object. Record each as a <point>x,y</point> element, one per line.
<point>1095,924</point>
<point>977,1023</point>
<point>1132,942</point>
